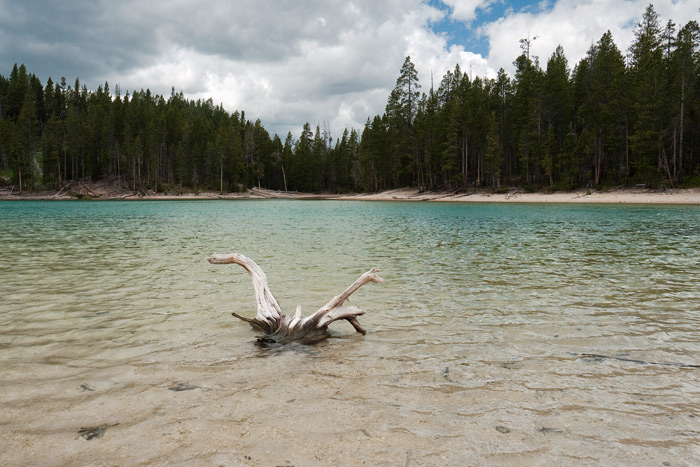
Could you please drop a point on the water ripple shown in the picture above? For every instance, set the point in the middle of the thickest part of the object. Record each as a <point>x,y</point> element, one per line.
<point>563,334</point>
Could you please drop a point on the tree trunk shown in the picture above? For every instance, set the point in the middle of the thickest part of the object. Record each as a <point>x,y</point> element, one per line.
<point>280,328</point>
<point>284,177</point>
<point>675,154</point>
<point>627,148</point>
<point>465,162</point>
<point>598,157</point>
<point>682,124</point>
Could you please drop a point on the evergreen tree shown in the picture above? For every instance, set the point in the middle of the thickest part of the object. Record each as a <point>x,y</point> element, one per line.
<point>16,92</point>
<point>287,157</point>
<point>527,115</point>
<point>318,161</point>
<point>502,90</point>
<point>401,110</point>
<point>557,108</point>
<point>646,73</point>
<point>603,111</point>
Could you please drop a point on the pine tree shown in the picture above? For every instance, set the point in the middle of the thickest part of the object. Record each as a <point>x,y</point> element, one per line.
<point>401,110</point>
<point>527,115</point>
<point>646,74</point>
<point>502,89</point>
<point>16,92</point>
<point>318,162</point>
<point>557,107</point>
<point>603,110</point>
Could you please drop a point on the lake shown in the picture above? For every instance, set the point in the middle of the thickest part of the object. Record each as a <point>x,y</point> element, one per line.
<point>503,334</point>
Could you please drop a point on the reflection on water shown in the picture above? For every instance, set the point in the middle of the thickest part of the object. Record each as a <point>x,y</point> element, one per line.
<point>505,335</point>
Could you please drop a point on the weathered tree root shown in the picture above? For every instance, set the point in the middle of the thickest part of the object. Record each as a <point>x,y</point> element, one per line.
<point>280,328</point>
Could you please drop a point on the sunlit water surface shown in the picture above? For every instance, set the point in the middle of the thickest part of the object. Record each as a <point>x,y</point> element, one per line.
<point>503,335</point>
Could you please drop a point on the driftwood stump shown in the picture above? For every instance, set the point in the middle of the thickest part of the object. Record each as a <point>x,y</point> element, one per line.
<point>280,328</point>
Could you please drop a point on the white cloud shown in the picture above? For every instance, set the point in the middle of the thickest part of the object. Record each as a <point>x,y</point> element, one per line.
<point>465,10</point>
<point>576,25</point>
<point>335,63</point>
<point>431,54</point>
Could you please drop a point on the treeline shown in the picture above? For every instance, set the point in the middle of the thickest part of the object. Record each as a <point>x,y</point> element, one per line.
<point>57,133</point>
<point>614,119</point>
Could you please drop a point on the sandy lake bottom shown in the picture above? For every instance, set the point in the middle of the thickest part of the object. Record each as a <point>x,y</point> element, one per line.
<point>503,335</point>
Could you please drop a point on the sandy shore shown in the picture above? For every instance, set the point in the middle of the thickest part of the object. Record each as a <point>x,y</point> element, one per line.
<point>103,191</point>
<point>613,196</point>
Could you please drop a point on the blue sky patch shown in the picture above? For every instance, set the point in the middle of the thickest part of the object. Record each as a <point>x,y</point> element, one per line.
<point>467,35</point>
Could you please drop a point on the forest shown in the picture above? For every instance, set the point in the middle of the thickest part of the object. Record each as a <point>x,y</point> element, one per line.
<point>612,119</point>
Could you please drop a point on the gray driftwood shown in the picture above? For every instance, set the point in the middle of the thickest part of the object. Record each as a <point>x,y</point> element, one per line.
<point>280,328</point>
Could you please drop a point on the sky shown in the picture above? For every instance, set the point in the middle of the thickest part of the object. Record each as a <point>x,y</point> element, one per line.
<point>331,63</point>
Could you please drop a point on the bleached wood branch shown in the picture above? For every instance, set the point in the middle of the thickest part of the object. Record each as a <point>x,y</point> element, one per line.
<point>281,328</point>
<point>269,312</point>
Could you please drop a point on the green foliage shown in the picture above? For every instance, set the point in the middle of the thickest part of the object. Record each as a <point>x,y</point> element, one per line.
<point>691,182</point>
<point>59,133</point>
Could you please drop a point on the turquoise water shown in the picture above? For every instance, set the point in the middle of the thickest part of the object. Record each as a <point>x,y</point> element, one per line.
<point>507,334</point>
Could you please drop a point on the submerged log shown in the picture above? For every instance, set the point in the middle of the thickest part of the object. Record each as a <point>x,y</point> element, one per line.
<point>280,328</point>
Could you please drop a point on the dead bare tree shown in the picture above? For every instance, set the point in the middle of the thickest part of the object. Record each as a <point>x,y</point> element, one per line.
<point>280,328</point>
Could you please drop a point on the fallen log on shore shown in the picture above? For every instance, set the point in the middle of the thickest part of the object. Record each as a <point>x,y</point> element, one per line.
<point>280,328</point>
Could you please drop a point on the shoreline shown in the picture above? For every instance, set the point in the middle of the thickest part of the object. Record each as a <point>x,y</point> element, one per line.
<point>686,196</point>
<point>675,196</point>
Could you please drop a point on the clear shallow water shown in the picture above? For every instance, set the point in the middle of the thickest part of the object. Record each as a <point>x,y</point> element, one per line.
<point>503,335</point>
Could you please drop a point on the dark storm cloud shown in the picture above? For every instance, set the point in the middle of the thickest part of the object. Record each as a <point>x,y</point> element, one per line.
<point>72,39</point>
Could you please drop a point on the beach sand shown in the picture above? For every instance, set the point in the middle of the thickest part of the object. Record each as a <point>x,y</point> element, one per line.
<point>612,196</point>
<point>102,191</point>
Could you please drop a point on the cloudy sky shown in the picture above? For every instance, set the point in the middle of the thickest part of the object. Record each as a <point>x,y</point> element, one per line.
<point>329,62</point>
